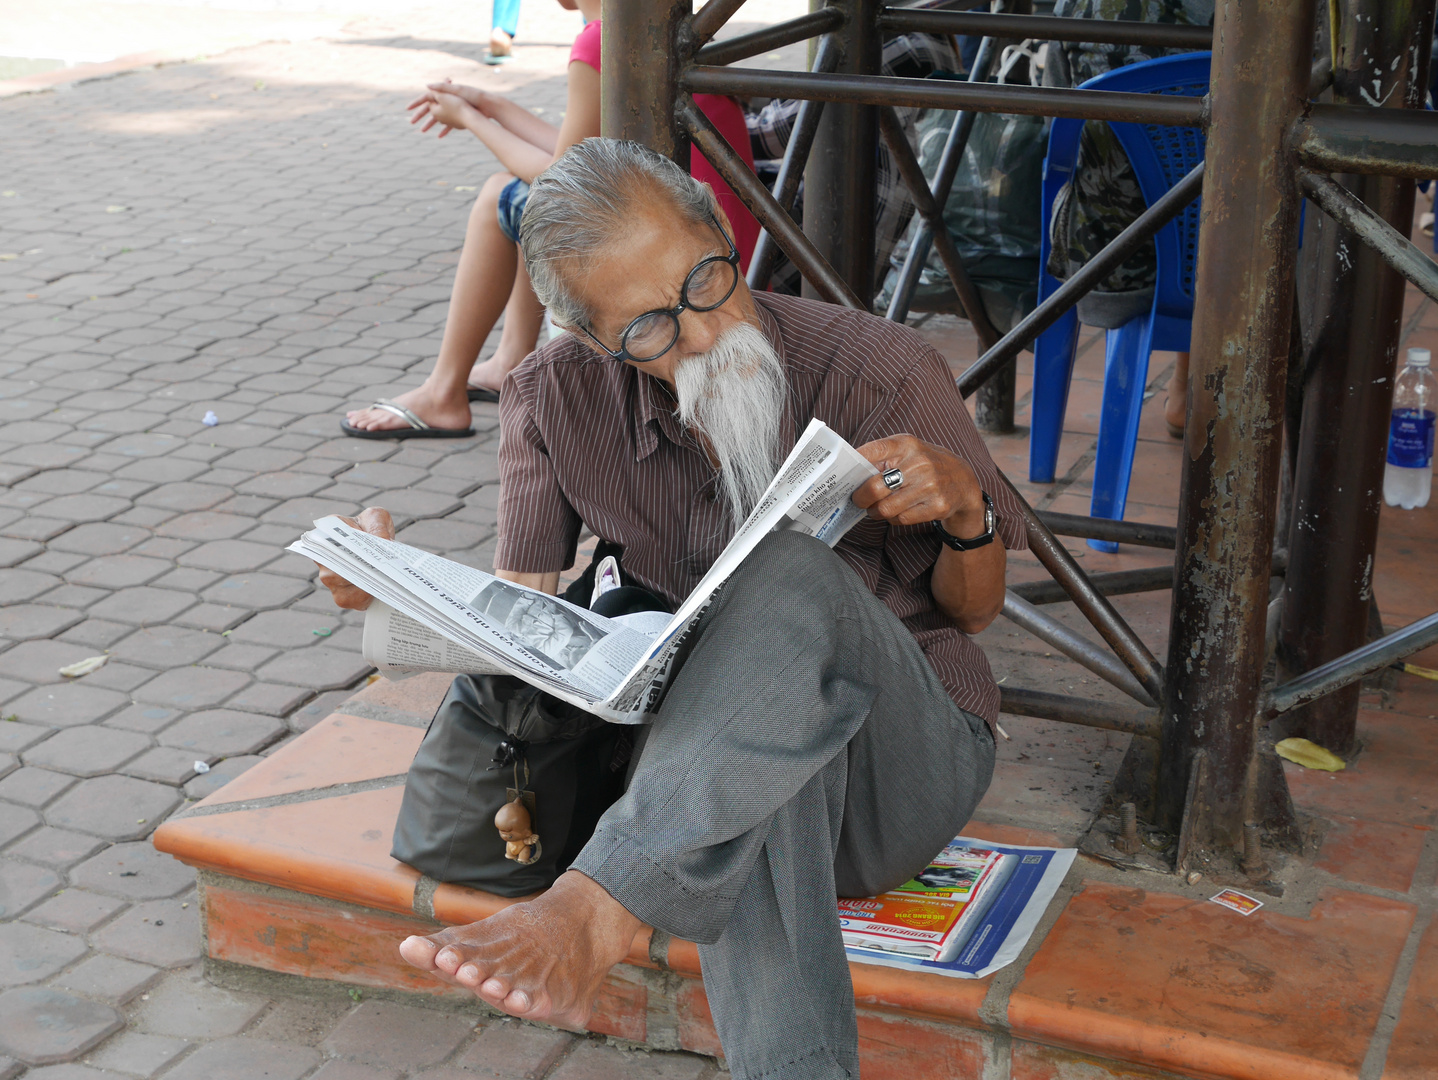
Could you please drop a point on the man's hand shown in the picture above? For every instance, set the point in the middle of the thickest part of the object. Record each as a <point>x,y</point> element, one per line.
<point>376,521</point>
<point>938,486</point>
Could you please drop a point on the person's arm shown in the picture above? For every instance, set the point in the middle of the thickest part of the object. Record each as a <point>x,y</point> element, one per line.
<point>581,108</point>
<point>519,156</point>
<point>922,427</point>
<point>545,583</point>
<point>376,520</point>
<point>507,114</point>
<point>940,486</point>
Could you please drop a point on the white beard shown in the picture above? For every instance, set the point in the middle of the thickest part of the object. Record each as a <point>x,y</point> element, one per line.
<point>734,395</point>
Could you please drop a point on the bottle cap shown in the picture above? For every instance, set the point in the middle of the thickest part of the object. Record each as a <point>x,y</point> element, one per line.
<point>1419,358</point>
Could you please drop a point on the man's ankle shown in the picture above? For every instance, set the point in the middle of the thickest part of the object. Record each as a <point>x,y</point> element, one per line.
<point>611,917</point>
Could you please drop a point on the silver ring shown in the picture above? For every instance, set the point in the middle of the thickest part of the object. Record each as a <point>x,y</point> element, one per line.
<point>893,479</point>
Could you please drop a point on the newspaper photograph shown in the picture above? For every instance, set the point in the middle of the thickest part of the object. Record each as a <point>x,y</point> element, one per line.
<point>433,614</point>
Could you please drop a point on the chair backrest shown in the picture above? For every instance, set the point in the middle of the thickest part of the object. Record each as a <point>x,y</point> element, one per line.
<point>1161,156</point>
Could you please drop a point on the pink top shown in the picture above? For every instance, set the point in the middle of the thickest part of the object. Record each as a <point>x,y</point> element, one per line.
<point>726,115</point>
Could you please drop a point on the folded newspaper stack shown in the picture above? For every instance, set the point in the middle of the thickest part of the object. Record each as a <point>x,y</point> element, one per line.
<point>440,615</point>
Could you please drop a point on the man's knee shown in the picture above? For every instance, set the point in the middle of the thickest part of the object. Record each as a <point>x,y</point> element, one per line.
<point>789,576</point>
<point>787,559</point>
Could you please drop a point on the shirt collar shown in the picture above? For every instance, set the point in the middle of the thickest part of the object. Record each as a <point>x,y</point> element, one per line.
<point>654,404</point>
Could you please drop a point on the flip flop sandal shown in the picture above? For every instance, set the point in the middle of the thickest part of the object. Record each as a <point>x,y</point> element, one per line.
<point>417,429</point>
<point>482,393</point>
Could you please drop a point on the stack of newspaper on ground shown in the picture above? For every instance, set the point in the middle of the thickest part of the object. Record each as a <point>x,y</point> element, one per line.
<point>439,615</point>
<point>968,913</point>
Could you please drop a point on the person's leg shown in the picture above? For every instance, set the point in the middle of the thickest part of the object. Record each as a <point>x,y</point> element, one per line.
<point>1175,406</point>
<point>804,726</point>
<point>523,317</point>
<point>504,24</point>
<point>806,731</point>
<point>483,282</point>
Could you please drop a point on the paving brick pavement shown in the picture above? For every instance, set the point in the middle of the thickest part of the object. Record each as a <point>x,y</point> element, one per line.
<point>260,235</point>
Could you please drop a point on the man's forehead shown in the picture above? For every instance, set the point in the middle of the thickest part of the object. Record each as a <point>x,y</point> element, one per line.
<point>647,267</point>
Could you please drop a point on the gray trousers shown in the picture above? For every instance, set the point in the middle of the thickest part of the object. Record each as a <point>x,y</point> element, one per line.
<point>806,749</point>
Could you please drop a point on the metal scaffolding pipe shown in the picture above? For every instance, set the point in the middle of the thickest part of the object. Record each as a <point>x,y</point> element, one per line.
<point>1351,305</point>
<point>1361,139</point>
<point>1120,532</point>
<point>841,180</point>
<point>1165,109</point>
<point>1387,242</point>
<point>1168,207</point>
<point>1351,667</point>
<point>1114,583</point>
<point>1241,332</point>
<point>1093,604</point>
<point>1017,701</point>
<point>900,20</point>
<point>1119,582</point>
<point>949,161</point>
<point>743,46</point>
<point>638,76</point>
<point>751,191</point>
<point>709,20</point>
<point>791,170</point>
<point>1073,645</point>
<point>933,216</point>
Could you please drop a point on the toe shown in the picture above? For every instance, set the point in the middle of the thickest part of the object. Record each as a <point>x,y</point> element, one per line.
<point>448,960</point>
<point>494,991</point>
<point>419,951</point>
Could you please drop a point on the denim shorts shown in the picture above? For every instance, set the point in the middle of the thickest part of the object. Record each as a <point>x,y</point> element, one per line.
<point>511,207</point>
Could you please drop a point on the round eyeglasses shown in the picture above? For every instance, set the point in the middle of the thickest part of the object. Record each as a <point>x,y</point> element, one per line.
<point>654,333</point>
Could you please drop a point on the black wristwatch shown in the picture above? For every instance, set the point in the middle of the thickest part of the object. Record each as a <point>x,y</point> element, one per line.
<point>985,537</point>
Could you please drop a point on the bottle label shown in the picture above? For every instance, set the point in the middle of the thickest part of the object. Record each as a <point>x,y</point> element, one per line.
<point>1410,439</point>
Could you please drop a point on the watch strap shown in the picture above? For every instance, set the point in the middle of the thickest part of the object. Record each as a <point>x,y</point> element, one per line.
<point>961,544</point>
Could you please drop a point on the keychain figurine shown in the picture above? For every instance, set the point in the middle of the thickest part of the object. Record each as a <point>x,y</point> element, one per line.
<point>521,843</point>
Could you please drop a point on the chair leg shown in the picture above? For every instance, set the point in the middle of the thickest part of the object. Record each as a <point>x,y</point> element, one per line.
<point>1054,353</point>
<point>1125,375</point>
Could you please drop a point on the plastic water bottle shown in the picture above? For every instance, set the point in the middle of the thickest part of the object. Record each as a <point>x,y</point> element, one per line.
<point>1409,476</point>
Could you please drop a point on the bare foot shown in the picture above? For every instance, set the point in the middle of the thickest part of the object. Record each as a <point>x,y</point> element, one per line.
<point>499,42</point>
<point>543,960</point>
<point>437,409</point>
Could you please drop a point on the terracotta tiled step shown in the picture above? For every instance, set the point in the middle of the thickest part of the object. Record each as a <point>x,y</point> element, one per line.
<point>1413,1053</point>
<point>1129,984</point>
<point>1184,984</point>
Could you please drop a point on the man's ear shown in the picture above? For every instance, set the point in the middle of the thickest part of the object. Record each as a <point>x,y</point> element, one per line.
<point>719,212</point>
<point>581,337</point>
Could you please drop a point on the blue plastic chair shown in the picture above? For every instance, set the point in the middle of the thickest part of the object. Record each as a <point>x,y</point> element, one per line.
<point>1161,156</point>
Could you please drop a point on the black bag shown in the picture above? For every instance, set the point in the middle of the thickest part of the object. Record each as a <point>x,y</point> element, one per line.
<point>494,737</point>
<point>490,731</point>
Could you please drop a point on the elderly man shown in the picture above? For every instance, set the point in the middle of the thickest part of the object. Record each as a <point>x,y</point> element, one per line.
<point>830,729</point>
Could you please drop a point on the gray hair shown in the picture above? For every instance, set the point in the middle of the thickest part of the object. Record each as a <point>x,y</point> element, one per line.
<point>585,200</point>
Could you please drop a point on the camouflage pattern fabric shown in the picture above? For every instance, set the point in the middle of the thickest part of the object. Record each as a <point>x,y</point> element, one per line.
<point>1103,198</point>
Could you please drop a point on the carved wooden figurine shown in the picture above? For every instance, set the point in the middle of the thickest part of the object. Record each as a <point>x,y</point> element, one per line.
<point>521,843</point>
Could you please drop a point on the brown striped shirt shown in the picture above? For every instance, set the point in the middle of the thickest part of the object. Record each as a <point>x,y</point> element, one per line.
<point>587,439</point>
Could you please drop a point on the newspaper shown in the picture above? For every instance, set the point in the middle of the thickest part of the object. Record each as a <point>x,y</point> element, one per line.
<point>433,614</point>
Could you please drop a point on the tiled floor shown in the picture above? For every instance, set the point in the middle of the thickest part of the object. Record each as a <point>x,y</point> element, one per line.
<point>260,234</point>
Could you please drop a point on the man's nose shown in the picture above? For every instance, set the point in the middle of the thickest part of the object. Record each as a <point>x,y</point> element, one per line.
<point>699,330</point>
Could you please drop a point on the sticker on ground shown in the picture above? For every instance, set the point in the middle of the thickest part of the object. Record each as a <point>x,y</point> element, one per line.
<point>1237,901</point>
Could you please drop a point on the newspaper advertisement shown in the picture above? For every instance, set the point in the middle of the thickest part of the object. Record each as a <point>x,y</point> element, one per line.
<point>1006,924</point>
<point>436,614</point>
